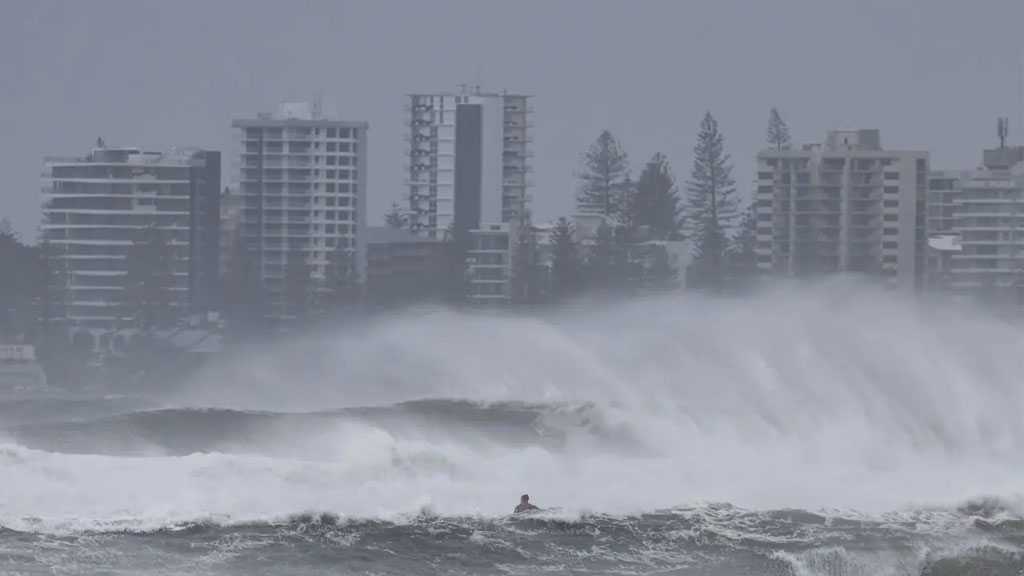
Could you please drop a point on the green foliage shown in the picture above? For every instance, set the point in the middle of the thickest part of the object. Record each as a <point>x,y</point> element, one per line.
<point>742,255</point>
<point>341,286</point>
<point>528,277</point>
<point>603,177</point>
<point>778,131</point>
<point>396,218</point>
<point>607,267</point>
<point>149,301</point>
<point>711,204</point>
<point>655,205</point>
<point>567,264</point>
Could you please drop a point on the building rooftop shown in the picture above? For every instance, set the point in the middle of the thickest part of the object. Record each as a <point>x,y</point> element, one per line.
<point>103,154</point>
<point>471,91</point>
<point>389,235</point>
<point>298,114</point>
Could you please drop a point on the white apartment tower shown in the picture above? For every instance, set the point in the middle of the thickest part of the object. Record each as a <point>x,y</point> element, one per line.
<point>468,159</point>
<point>982,212</point>
<point>95,207</point>
<point>468,165</point>
<point>842,205</point>
<point>302,182</point>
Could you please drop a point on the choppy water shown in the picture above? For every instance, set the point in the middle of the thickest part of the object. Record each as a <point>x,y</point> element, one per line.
<point>831,431</point>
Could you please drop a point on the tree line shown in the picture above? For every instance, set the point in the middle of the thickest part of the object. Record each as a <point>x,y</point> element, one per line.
<point>705,211</point>
<point>710,216</point>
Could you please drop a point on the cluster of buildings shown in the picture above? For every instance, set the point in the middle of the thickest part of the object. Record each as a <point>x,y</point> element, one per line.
<point>849,204</point>
<point>300,190</point>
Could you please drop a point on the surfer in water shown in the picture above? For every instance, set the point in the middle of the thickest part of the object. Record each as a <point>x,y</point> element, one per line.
<point>524,505</point>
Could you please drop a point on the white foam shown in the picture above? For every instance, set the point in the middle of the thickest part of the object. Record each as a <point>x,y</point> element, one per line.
<point>837,397</point>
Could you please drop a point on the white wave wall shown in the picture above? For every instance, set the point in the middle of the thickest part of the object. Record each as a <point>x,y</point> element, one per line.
<point>833,396</point>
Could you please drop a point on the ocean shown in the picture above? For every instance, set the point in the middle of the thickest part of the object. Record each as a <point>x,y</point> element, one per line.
<point>827,431</point>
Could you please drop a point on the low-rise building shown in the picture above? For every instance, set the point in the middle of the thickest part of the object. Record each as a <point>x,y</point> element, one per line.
<point>402,267</point>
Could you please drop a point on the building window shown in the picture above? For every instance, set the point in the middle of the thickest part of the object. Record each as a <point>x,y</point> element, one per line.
<point>889,259</point>
<point>890,245</point>
<point>330,174</point>
<point>892,190</point>
<point>331,160</point>
<point>330,201</point>
<point>330,228</point>
<point>892,175</point>
<point>332,147</point>
<point>891,217</point>
<point>332,132</point>
<point>890,231</point>
<point>330,187</point>
<point>891,203</point>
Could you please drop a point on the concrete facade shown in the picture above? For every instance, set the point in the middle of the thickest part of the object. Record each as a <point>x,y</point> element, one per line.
<point>468,159</point>
<point>845,205</point>
<point>302,180</point>
<point>96,206</point>
<point>976,229</point>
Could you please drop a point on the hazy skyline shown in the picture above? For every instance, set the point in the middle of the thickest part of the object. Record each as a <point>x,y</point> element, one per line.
<point>931,75</point>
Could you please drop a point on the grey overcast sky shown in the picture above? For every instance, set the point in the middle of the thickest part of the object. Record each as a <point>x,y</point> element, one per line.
<point>931,74</point>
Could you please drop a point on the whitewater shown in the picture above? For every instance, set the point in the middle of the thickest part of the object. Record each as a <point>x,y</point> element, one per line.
<point>827,429</point>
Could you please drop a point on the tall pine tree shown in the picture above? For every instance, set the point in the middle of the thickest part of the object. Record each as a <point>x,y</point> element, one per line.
<point>602,178</point>
<point>711,204</point>
<point>778,131</point>
<point>655,204</point>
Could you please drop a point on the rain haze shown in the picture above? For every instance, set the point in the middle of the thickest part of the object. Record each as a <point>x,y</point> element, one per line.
<point>690,288</point>
<point>934,74</point>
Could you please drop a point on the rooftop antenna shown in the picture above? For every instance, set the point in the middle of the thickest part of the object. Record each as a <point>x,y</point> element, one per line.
<point>318,104</point>
<point>1003,127</point>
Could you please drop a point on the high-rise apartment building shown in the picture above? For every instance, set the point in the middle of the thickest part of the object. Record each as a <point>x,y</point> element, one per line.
<point>302,182</point>
<point>843,205</point>
<point>96,206</point>
<point>468,166</point>
<point>981,214</point>
<point>468,159</point>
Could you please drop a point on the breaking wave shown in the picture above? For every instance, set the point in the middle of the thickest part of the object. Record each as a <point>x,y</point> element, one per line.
<point>840,411</point>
